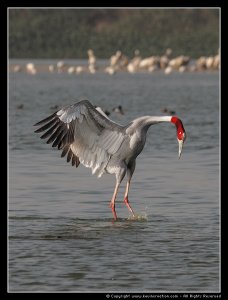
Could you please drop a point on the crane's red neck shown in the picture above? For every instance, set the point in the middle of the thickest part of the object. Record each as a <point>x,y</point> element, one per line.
<point>179,126</point>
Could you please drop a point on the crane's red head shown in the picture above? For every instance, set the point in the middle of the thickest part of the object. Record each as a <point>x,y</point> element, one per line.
<point>180,128</point>
<point>181,135</point>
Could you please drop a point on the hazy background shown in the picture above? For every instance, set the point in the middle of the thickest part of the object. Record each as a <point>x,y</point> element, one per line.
<point>68,33</point>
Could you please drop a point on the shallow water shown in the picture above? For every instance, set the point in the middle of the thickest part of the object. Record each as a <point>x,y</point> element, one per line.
<point>61,233</point>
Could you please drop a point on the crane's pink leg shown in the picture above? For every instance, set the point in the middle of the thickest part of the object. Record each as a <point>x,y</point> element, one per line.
<point>126,201</point>
<point>112,203</point>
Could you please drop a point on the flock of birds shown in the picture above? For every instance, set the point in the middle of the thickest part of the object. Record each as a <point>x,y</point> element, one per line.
<point>86,135</point>
<point>120,62</point>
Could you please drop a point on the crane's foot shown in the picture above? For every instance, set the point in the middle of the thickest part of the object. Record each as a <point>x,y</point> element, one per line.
<point>112,205</point>
<point>128,206</point>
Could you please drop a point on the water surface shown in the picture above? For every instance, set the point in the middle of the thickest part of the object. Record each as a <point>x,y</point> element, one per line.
<point>61,233</point>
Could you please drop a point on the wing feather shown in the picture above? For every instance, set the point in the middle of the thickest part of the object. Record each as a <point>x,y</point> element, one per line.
<point>84,135</point>
<point>69,155</point>
<point>45,120</point>
<point>73,160</point>
<point>65,150</point>
<point>59,138</point>
<point>53,121</point>
<point>50,131</point>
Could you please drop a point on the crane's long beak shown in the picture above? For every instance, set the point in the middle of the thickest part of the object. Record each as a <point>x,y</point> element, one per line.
<point>180,142</point>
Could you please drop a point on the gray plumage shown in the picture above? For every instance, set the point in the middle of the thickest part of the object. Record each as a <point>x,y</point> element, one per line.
<point>88,136</point>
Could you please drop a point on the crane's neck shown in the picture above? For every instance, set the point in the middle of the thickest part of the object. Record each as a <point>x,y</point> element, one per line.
<point>143,123</point>
<point>149,120</point>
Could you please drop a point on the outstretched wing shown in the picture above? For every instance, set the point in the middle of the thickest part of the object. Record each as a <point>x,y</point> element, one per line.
<point>84,135</point>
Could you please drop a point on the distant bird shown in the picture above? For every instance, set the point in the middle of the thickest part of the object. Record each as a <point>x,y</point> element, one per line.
<point>168,70</point>
<point>20,106</point>
<point>31,69</point>
<point>71,70</point>
<point>60,66</point>
<point>87,136</point>
<point>80,69</point>
<point>17,68</point>
<point>118,109</point>
<point>54,107</point>
<point>92,57</point>
<point>110,70</point>
<point>167,111</point>
<point>51,68</point>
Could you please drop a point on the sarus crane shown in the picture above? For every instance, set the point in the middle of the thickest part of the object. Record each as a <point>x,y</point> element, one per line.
<point>86,135</point>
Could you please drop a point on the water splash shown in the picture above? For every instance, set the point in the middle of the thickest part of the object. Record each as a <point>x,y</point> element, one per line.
<point>138,217</point>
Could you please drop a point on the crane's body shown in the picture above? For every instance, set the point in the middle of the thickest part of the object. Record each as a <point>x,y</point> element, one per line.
<point>89,137</point>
